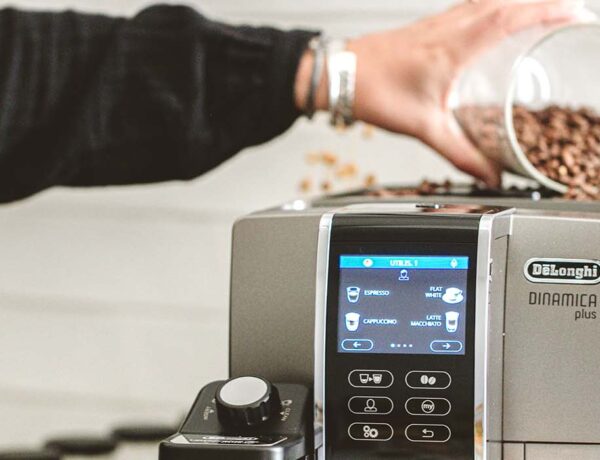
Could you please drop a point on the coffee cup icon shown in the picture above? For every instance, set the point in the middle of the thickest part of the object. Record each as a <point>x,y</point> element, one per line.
<point>352,321</point>
<point>353,293</point>
<point>452,321</point>
<point>453,295</point>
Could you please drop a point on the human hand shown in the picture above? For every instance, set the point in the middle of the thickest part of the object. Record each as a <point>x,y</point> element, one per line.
<point>404,76</point>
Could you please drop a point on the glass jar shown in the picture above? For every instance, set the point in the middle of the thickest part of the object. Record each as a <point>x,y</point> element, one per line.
<point>521,103</point>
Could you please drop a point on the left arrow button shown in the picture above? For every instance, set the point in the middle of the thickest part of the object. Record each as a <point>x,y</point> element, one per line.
<point>357,345</point>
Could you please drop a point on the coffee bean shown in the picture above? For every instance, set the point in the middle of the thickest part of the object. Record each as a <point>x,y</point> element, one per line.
<point>561,142</point>
<point>568,157</point>
<point>370,180</point>
<point>425,188</point>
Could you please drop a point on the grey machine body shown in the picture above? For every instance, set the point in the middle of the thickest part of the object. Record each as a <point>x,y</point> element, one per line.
<point>543,335</point>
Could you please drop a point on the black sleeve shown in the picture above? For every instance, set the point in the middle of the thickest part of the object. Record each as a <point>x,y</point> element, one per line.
<point>91,100</point>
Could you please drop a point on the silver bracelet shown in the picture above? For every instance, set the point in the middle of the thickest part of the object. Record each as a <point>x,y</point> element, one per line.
<point>317,47</point>
<point>341,67</point>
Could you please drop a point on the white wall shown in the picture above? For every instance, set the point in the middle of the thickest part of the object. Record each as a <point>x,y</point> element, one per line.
<point>113,303</point>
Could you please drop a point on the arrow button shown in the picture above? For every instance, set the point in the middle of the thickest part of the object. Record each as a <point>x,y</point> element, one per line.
<point>428,433</point>
<point>446,346</point>
<point>357,345</point>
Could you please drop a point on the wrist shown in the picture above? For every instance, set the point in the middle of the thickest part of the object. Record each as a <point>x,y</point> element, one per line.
<point>303,82</point>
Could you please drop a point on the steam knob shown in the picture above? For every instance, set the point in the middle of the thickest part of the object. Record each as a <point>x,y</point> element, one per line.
<point>247,401</point>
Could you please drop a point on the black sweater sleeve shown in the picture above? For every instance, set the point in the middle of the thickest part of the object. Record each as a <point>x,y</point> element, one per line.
<point>91,100</point>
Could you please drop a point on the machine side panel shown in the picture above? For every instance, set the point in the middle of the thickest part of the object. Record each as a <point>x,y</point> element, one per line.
<point>514,452</point>
<point>552,337</point>
<point>272,297</point>
<point>558,452</point>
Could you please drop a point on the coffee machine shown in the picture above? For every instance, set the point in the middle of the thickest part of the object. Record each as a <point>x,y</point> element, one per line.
<point>456,326</point>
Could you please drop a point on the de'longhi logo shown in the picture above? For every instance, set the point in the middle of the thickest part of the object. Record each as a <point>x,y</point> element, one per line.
<point>562,271</point>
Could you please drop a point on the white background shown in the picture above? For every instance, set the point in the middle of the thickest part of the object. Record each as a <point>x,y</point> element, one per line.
<point>113,303</point>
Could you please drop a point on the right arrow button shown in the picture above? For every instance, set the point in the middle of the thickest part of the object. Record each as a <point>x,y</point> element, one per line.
<point>428,433</point>
<point>446,346</point>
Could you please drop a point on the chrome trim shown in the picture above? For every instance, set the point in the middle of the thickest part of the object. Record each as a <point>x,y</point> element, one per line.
<point>484,246</point>
<point>320,312</point>
<point>488,232</point>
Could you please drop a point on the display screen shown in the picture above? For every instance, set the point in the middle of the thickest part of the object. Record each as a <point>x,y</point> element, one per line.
<point>403,304</point>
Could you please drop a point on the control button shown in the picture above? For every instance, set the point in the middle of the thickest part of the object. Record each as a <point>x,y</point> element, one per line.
<point>370,431</point>
<point>363,378</point>
<point>357,344</point>
<point>428,433</point>
<point>446,346</point>
<point>423,380</point>
<point>436,407</point>
<point>370,405</point>
<point>247,401</point>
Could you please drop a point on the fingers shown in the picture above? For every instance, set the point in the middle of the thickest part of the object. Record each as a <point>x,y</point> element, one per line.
<point>495,20</point>
<point>513,17</point>
<point>451,143</point>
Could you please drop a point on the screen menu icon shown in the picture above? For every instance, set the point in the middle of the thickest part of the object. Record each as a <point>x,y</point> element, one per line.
<point>352,321</point>
<point>353,294</point>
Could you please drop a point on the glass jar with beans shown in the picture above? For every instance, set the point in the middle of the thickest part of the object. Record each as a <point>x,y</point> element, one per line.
<point>533,105</point>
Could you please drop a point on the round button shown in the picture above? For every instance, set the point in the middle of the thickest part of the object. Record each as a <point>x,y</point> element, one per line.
<point>437,407</point>
<point>363,378</point>
<point>370,431</point>
<point>247,401</point>
<point>370,405</point>
<point>428,433</point>
<point>435,380</point>
<point>243,391</point>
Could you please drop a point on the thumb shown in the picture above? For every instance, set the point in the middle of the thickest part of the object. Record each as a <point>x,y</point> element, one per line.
<point>448,139</point>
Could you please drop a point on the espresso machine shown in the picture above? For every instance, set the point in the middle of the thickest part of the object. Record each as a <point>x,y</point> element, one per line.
<point>460,325</point>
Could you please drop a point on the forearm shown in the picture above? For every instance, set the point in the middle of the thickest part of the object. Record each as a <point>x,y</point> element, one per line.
<point>47,65</point>
<point>90,100</point>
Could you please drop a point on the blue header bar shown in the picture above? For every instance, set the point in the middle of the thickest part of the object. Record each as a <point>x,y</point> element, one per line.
<point>406,262</point>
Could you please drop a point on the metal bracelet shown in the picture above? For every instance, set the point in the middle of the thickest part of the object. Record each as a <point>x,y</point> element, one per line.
<point>341,67</point>
<point>317,46</point>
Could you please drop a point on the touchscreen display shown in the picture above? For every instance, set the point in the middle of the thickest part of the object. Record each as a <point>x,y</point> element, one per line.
<point>403,304</point>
